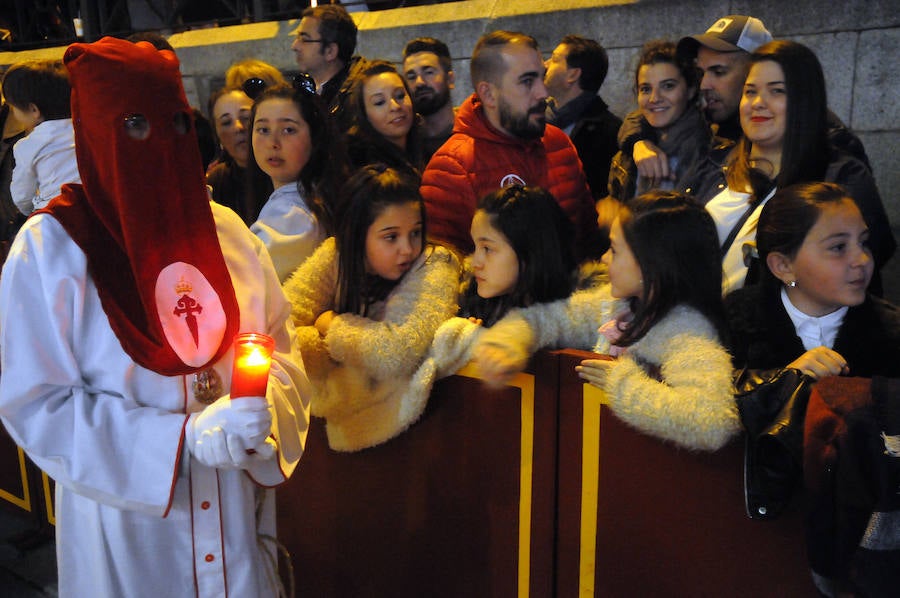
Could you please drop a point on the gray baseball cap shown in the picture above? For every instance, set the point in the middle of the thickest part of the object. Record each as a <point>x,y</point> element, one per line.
<point>729,34</point>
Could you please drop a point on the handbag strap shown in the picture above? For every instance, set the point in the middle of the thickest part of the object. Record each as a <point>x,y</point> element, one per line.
<point>752,204</point>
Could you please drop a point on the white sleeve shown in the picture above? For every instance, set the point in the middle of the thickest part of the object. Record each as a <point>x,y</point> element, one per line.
<point>58,356</point>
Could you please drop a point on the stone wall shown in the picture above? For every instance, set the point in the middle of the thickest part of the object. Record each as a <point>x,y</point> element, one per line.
<point>857,41</point>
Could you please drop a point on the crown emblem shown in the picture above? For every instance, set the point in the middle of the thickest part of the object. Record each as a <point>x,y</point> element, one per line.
<point>182,287</point>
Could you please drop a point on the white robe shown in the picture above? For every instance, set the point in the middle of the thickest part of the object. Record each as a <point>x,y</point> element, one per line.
<point>136,516</point>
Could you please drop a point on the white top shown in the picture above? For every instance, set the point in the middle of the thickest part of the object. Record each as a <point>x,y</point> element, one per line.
<point>45,161</point>
<point>726,209</point>
<point>289,229</point>
<point>814,331</point>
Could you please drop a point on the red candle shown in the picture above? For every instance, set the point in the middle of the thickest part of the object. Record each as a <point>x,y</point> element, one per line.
<point>252,359</point>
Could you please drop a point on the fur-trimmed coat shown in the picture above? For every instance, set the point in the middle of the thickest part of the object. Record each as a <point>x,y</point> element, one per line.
<point>362,371</point>
<point>689,403</point>
<point>762,334</point>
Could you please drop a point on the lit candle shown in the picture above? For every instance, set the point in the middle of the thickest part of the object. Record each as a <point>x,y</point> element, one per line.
<point>252,359</point>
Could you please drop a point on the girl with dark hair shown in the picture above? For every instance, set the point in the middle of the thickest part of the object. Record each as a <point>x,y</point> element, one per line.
<point>783,114</point>
<point>672,377</point>
<point>523,256</point>
<point>667,90</point>
<point>523,253</point>
<point>295,147</point>
<point>379,118</point>
<point>811,310</point>
<point>366,305</point>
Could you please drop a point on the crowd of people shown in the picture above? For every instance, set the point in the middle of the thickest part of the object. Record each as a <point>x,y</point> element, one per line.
<point>385,238</point>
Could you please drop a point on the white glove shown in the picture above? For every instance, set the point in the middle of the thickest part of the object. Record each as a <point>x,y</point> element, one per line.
<point>220,435</point>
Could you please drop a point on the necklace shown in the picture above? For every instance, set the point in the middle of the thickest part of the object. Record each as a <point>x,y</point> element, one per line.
<point>207,386</point>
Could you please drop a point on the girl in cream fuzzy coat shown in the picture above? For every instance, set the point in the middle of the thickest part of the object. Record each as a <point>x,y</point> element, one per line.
<point>672,377</point>
<point>366,305</point>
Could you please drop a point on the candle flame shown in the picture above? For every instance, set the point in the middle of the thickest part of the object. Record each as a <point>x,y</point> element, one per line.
<point>257,357</point>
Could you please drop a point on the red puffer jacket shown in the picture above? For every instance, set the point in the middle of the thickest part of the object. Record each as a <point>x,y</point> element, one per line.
<point>478,159</point>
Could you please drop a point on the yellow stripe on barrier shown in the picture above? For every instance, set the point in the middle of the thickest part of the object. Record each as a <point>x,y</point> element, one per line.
<point>592,399</point>
<point>23,502</point>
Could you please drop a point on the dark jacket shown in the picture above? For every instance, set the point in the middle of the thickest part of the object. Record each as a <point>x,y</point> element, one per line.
<point>636,128</point>
<point>700,157</point>
<point>11,219</point>
<point>852,472</point>
<point>594,136</point>
<point>847,170</point>
<point>331,89</point>
<point>230,187</point>
<point>762,335</point>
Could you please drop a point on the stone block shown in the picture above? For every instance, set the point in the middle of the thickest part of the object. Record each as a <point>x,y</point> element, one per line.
<point>875,105</point>
<point>618,89</point>
<point>837,53</point>
<point>881,148</point>
<point>803,17</point>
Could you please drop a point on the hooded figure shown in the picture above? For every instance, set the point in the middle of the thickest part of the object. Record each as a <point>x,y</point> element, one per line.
<point>119,303</point>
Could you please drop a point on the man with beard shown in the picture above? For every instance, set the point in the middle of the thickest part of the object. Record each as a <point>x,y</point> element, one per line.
<point>428,70</point>
<point>501,138</point>
<point>722,55</point>
<point>575,71</point>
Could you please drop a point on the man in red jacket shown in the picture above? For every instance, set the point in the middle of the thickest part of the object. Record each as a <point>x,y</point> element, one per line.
<point>501,138</point>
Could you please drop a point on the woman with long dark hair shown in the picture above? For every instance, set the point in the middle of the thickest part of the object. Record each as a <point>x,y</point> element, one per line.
<point>783,114</point>
<point>379,119</point>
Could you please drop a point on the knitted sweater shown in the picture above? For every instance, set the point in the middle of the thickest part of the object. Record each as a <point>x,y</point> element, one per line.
<point>689,403</point>
<point>362,371</point>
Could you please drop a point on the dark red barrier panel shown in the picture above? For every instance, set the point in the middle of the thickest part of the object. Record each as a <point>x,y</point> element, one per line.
<point>530,490</point>
<point>462,504</point>
<point>668,522</point>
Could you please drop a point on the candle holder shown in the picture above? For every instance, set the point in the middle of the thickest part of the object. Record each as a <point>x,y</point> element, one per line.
<point>252,360</point>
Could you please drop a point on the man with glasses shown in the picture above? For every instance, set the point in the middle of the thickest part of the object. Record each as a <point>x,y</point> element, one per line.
<point>324,48</point>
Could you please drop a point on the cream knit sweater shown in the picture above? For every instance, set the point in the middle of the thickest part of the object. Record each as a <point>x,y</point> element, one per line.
<point>364,370</point>
<point>691,402</point>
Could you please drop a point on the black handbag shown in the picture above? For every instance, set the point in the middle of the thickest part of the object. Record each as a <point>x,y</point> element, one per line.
<point>772,408</point>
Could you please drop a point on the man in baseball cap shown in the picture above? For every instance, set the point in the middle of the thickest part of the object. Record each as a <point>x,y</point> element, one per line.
<point>723,54</point>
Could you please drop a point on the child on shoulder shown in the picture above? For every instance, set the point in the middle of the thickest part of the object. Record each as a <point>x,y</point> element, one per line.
<point>38,94</point>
